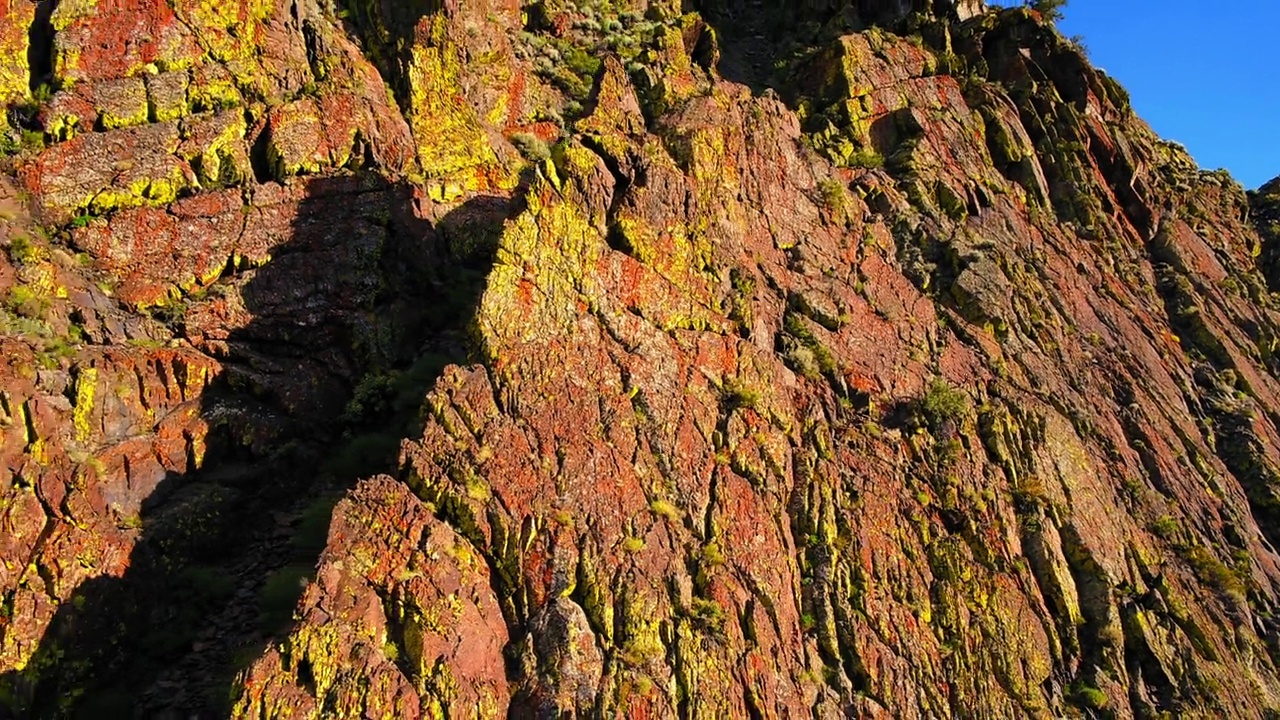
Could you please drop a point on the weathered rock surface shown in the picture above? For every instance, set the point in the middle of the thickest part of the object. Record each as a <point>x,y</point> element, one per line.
<point>878,362</point>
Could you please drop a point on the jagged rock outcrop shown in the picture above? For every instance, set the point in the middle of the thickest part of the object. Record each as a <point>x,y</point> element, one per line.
<point>1265,206</point>
<point>845,13</point>
<point>689,365</point>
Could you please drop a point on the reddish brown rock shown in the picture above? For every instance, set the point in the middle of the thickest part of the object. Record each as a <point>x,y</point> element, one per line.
<point>938,386</point>
<point>167,95</point>
<point>149,250</point>
<point>121,103</point>
<point>66,114</point>
<point>406,592</point>
<point>100,172</point>
<point>712,425</point>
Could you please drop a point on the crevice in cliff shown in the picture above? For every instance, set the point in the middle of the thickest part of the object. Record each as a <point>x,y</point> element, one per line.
<point>1098,635</point>
<point>1123,177</point>
<point>311,39</point>
<point>40,51</point>
<point>395,611</point>
<point>1138,440</point>
<point>386,32</point>
<point>46,532</point>
<point>1241,449</point>
<point>260,158</point>
<point>1264,211</point>
<point>622,183</point>
<point>1157,689</point>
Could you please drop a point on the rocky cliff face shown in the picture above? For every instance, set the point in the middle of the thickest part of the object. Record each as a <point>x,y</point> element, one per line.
<point>643,359</point>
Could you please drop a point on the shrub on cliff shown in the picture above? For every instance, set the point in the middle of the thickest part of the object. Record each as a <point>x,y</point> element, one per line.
<point>942,404</point>
<point>1050,9</point>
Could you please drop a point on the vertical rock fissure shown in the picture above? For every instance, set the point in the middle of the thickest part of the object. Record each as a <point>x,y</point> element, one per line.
<point>40,58</point>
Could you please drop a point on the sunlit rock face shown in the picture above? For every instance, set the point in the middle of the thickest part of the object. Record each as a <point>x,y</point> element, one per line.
<point>626,359</point>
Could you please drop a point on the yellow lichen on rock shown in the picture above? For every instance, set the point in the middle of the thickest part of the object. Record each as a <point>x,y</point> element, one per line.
<point>69,11</point>
<point>446,129</point>
<point>86,385</point>
<point>673,79</point>
<point>122,103</point>
<point>230,33</point>
<point>295,146</point>
<point>223,159</point>
<point>153,191</point>
<point>167,95</point>
<point>544,259</point>
<point>15,17</point>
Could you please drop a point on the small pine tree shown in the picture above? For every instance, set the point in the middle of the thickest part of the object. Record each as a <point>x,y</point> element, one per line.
<point>1050,9</point>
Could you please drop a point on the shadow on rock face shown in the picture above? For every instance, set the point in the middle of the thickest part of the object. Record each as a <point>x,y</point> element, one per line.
<point>326,351</point>
<point>759,39</point>
<point>754,36</point>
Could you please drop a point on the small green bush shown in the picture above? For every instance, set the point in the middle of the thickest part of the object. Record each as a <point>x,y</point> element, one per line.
<point>942,403</point>
<point>1166,527</point>
<point>312,530</point>
<point>581,63</point>
<point>280,595</point>
<point>22,250</point>
<point>739,395</point>
<point>370,397</point>
<point>708,615</point>
<point>713,555</point>
<point>208,582</point>
<point>1090,697</point>
<point>1204,563</point>
<point>1029,491</point>
<point>1213,572</point>
<point>32,141</point>
<point>740,308</point>
<point>665,509</point>
<point>24,302</point>
<point>819,355</point>
<point>43,93</point>
<point>364,455</point>
<point>391,651</point>
<point>832,192</point>
<point>531,146</point>
<point>172,313</point>
<point>866,158</point>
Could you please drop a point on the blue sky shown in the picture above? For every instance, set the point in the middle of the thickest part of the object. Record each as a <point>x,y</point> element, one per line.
<point>1205,74</point>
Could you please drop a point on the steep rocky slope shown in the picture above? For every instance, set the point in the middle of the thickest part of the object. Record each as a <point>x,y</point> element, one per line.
<point>719,359</point>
